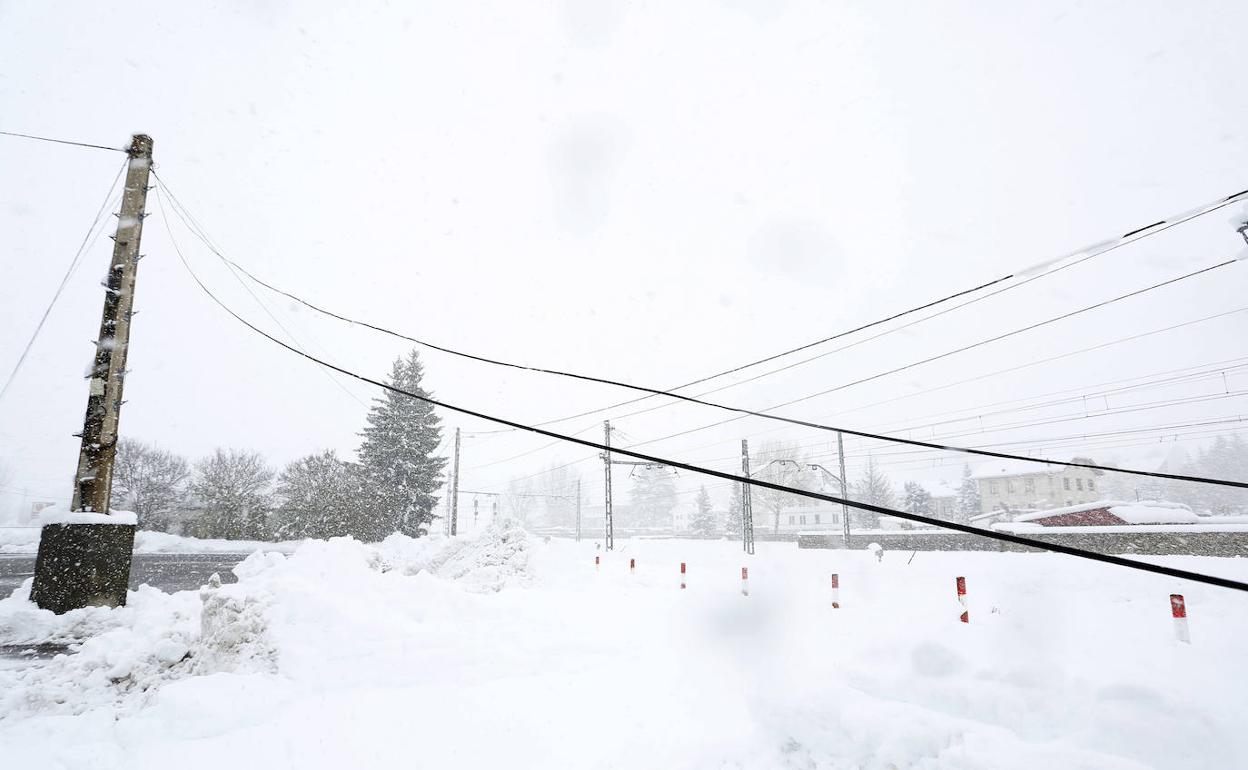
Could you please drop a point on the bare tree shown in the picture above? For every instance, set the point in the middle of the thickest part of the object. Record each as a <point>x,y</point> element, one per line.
<point>233,486</point>
<point>781,462</point>
<point>149,481</point>
<point>557,490</point>
<point>518,499</point>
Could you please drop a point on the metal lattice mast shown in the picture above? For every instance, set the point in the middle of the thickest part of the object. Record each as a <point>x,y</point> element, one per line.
<point>840,453</point>
<point>606,466</point>
<point>455,489</point>
<point>747,508</point>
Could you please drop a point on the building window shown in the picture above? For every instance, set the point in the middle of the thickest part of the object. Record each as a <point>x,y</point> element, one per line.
<point>790,519</point>
<point>816,518</point>
<point>1079,484</point>
<point>1009,486</point>
<point>1091,485</point>
<point>1066,486</point>
<point>1029,486</point>
<point>802,518</point>
<point>992,487</point>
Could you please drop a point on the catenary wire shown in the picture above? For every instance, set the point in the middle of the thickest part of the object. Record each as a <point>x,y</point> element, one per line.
<point>804,423</point>
<point>1038,271</point>
<point>919,518</point>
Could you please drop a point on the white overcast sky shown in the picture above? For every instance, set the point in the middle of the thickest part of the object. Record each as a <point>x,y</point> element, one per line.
<point>645,191</point>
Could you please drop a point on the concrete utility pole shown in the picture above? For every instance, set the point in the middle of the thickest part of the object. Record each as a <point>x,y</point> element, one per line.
<point>455,489</point>
<point>840,454</point>
<point>606,465</point>
<point>89,563</point>
<point>747,507</point>
<point>578,510</point>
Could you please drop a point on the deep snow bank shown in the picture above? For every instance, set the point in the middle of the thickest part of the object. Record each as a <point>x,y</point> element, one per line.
<point>346,655</point>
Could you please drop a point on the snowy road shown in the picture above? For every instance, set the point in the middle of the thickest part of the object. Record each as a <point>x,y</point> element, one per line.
<point>167,571</point>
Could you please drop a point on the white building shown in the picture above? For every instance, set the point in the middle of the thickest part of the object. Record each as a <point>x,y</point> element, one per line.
<point>1019,484</point>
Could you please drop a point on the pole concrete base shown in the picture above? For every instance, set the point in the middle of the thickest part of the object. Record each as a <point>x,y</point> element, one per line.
<point>82,565</point>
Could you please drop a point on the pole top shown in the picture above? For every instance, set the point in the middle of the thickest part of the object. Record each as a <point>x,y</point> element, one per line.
<point>140,146</point>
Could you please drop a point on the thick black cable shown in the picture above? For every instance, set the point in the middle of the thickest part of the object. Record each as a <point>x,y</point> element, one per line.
<point>62,141</point>
<point>805,423</point>
<point>919,518</point>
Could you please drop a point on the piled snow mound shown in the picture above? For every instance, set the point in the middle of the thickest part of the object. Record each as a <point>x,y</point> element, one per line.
<point>486,562</point>
<point>120,656</point>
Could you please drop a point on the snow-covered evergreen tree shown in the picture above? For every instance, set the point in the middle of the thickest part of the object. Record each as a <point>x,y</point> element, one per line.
<point>705,523</point>
<point>875,488</point>
<point>917,499</point>
<point>968,497</point>
<point>398,466</point>
<point>736,518</point>
<point>653,496</point>
<point>320,499</point>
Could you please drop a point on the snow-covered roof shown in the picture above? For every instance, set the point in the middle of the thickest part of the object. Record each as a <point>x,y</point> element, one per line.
<point>998,468</point>
<point>1144,512</point>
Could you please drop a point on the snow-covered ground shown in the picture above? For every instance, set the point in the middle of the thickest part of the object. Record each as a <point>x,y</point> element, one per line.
<point>26,540</point>
<point>503,650</point>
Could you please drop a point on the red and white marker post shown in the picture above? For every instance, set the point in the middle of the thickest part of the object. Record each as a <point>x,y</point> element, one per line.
<point>632,566</point>
<point>745,581</point>
<point>966,613</point>
<point>1178,610</point>
<point>682,576</point>
<point>836,591</point>
<point>597,562</point>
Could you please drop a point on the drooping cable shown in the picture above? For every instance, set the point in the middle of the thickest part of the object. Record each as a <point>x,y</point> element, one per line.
<point>763,413</point>
<point>61,141</point>
<point>919,518</point>
<point>87,241</point>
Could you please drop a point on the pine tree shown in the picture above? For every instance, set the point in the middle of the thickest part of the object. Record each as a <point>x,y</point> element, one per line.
<point>917,499</point>
<point>400,471</point>
<point>736,516</point>
<point>705,523</point>
<point>968,497</point>
<point>874,488</point>
<point>653,496</point>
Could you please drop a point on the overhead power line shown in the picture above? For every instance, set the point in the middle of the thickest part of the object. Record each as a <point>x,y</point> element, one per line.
<point>862,434</point>
<point>1035,272</point>
<point>87,240</point>
<point>61,141</point>
<point>929,520</point>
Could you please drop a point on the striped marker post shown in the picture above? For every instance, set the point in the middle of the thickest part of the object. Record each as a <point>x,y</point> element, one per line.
<point>597,562</point>
<point>966,613</point>
<point>632,566</point>
<point>836,591</point>
<point>1178,610</point>
<point>682,576</point>
<point>745,581</point>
